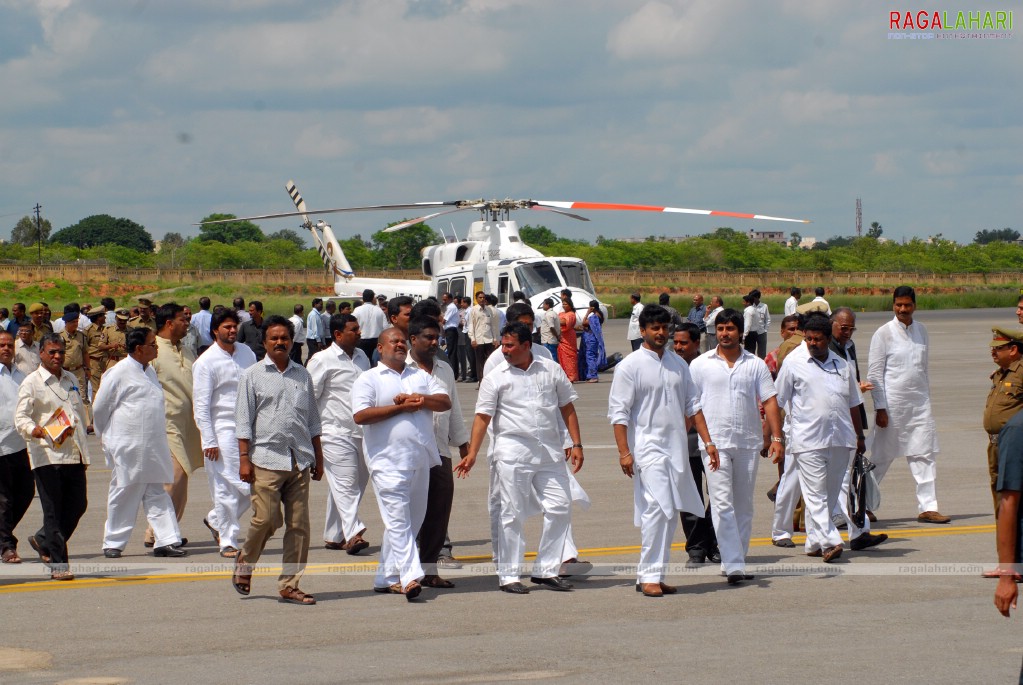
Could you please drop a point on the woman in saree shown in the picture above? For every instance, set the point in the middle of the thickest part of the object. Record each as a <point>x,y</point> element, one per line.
<point>593,341</point>
<point>568,356</point>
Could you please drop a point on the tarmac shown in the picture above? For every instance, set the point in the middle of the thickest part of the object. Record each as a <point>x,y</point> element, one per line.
<point>913,610</point>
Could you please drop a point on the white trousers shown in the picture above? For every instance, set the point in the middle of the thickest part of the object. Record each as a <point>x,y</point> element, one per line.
<point>786,500</point>
<point>518,483</point>
<point>925,473</point>
<point>231,498</point>
<point>821,473</point>
<point>656,533</point>
<point>494,505</point>
<point>401,496</point>
<point>347,476</point>
<point>731,504</point>
<point>123,508</point>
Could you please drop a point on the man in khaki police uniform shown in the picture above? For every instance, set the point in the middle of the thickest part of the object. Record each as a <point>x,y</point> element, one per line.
<point>145,318</point>
<point>98,347</point>
<point>40,319</point>
<point>1006,395</point>
<point>76,358</point>
<point>115,337</point>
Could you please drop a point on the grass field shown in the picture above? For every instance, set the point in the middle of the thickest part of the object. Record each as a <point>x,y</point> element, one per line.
<point>281,299</point>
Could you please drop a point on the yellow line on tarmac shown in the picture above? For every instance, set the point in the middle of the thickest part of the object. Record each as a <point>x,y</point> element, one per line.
<point>88,583</point>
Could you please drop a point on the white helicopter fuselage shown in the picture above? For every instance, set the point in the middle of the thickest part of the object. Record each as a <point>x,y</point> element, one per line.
<point>492,259</point>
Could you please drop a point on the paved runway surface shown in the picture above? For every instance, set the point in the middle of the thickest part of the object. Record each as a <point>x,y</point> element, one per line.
<point>913,610</point>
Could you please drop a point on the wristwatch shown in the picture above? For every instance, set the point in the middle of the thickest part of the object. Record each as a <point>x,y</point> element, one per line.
<point>777,439</point>
<point>577,445</point>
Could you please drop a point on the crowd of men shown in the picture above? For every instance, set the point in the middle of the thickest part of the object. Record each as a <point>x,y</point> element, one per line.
<point>375,399</point>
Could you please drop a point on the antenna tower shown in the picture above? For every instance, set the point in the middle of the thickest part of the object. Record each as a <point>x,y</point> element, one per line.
<point>859,218</point>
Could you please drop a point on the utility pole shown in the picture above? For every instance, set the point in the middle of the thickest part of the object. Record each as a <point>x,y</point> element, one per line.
<point>859,218</point>
<point>39,232</point>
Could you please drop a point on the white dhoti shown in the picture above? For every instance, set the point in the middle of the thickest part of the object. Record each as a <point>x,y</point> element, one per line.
<point>786,500</point>
<point>231,496</point>
<point>123,507</point>
<point>519,483</point>
<point>821,474</point>
<point>924,469</point>
<point>578,496</point>
<point>401,496</point>
<point>731,504</point>
<point>661,488</point>
<point>347,476</point>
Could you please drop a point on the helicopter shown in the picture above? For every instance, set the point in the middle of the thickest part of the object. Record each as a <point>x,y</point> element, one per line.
<point>492,258</point>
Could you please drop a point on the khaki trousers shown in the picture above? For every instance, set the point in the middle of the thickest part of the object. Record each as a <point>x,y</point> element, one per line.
<point>178,491</point>
<point>992,469</point>
<point>270,490</point>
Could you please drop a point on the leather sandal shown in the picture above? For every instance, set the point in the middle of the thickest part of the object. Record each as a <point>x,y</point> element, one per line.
<point>356,544</point>
<point>229,552</point>
<point>437,582</point>
<point>242,583</point>
<point>10,556</point>
<point>292,595</point>
<point>412,590</point>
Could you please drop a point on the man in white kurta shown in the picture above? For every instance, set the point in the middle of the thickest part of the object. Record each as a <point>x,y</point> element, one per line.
<point>334,371</point>
<point>523,314</point>
<point>651,393</point>
<point>523,397</point>
<point>129,417</point>
<point>903,423</point>
<point>215,376</point>
<point>821,397</point>
<point>733,383</point>
<point>393,403</point>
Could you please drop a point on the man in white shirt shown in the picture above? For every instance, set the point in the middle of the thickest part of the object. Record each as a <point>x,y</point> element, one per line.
<point>523,397</point>
<point>710,338</point>
<point>16,486</point>
<point>239,308</point>
<point>451,321</point>
<point>334,373</point>
<point>394,404</point>
<point>372,322</point>
<point>819,298</point>
<point>58,469</point>
<point>484,330</point>
<point>550,328</point>
<point>793,302</point>
<point>201,323</point>
<point>733,383</point>
<point>26,349</point>
<point>633,334</point>
<point>298,321</point>
<point>313,329</point>
<point>903,423</point>
<point>215,377</point>
<point>821,397</point>
<point>129,417</point>
<point>5,322</point>
<point>649,392</point>
<point>761,323</point>
<point>449,429</point>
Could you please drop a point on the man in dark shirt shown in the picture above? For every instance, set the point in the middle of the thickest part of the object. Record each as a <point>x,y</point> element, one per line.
<point>251,331</point>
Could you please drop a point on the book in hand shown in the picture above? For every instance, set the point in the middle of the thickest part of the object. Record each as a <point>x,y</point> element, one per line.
<point>58,427</point>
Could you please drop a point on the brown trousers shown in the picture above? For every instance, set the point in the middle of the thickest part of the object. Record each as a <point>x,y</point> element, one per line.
<point>270,490</point>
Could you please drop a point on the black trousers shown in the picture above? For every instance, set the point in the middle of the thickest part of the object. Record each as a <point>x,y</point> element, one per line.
<point>312,347</point>
<point>700,536</point>
<point>438,513</point>
<point>369,346</point>
<point>296,352</point>
<point>63,496</point>
<point>451,338</point>
<point>750,343</point>
<point>482,353</point>
<point>466,358</point>
<point>17,488</point>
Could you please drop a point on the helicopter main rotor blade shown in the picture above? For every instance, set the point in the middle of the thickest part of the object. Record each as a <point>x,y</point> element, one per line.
<point>412,222</point>
<point>667,210</point>
<point>336,210</point>
<point>540,208</point>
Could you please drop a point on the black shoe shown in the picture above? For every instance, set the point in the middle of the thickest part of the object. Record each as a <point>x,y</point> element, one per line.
<point>697,557</point>
<point>515,588</point>
<point>784,542</point>
<point>866,540</point>
<point>714,557</point>
<point>184,541</point>
<point>111,553</point>
<point>736,577</point>
<point>169,551</point>
<point>554,583</point>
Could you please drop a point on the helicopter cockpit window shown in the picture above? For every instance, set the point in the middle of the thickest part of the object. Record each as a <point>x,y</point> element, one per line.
<point>502,290</point>
<point>576,275</point>
<point>537,277</point>
<point>457,287</point>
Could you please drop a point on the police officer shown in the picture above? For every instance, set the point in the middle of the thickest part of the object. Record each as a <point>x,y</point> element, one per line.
<point>115,336</point>
<point>145,318</point>
<point>99,346</point>
<point>1006,395</point>
<point>40,319</point>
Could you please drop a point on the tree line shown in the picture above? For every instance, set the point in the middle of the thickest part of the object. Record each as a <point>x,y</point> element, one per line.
<point>239,244</point>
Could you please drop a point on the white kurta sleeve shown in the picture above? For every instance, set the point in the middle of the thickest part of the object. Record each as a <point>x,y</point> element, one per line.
<point>876,367</point>
<point>621,398</point>
<point>202,396</point>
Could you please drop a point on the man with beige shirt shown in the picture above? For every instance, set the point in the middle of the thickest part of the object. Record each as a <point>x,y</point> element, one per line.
<point>173,367</point>
<point>59,470</point>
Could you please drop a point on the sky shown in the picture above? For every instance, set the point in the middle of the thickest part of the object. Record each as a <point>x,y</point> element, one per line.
<point>165,112</point>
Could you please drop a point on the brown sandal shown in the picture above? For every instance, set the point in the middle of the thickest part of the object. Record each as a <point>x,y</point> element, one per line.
<point>293,595</point>
<point>356,544</point>
<point>62,575</point>
<point>412,590</point>
<point>437,582</point>
<point>394,589</point>
<point>10,556</point>
<point>242,583</point>
<point>229,552</point>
